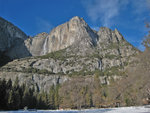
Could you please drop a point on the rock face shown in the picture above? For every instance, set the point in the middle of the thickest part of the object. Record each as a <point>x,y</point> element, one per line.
<point>40,82</point>
<point>76,31</point>
<point>71,49</point>
<point>10,35</point>
<point>12,40</point>
<point>110,40</point>
<point>37,45</point>
<point>75,34</point>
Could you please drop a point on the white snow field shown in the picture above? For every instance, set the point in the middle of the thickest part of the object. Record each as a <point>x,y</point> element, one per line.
<point>142,109</point>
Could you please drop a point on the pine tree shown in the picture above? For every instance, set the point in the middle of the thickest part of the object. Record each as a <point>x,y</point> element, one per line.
<point>10,100</point>
<point>52,97</point>
<point>21,92</point>
<point>8,90</point>
<point>3,99</point>
<point>45,101</point>
<point>14,99</point>
<point>9,84</point>
<point>57,97</point>
<point>26,97</point>
<point>16,84</point>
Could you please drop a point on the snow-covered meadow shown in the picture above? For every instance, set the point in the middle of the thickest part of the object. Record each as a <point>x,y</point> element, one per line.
<point>142,109</point>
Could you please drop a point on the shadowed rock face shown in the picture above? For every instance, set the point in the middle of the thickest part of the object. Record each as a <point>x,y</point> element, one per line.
<point>12,41</point>
<point>9,35</point>
<point>18,51</point>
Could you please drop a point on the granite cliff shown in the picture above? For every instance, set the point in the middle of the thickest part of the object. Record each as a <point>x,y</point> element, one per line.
<point>69,50</point>
<point>10,35</point>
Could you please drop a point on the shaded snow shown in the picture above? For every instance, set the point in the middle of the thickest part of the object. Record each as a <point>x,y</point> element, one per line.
<point>113,110</point>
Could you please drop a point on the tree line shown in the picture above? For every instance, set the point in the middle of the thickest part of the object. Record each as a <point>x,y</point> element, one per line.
<point>15,96</point>
<point>74,94</point>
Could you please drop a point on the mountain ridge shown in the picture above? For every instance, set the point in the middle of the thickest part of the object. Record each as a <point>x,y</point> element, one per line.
<point>72,48</point>
<point>64,35</point>
<point>76,58</point>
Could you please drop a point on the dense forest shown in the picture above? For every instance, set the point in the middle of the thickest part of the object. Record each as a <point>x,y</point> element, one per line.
<point>13,97</point>
<point>76,94</point>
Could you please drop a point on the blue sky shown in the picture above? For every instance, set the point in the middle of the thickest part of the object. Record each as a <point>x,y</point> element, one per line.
<point>36,16</point>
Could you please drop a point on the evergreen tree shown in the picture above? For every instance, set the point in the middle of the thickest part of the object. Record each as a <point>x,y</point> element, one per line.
<point>56,96</point>
<point>14,99</point>
<point>44,98</point>
<point>8,90</point>
<point>3,99</point>
<point>21,92</point>
<point>16,84</point>
<point>52,97</point>
<point>10,100</point>
<point>9,85</point>
<point>26,97</point>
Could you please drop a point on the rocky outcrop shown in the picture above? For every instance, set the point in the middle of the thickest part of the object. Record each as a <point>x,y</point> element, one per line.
<point>113,42</point>
<point>40,82</point>
<point>42,73</point>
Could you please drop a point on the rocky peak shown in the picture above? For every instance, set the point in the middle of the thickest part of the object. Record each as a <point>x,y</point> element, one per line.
<point>78,21</point>
<point>44,34</point>
<point>107,35</point>
<point>118,35</point>
<point>74,32</point>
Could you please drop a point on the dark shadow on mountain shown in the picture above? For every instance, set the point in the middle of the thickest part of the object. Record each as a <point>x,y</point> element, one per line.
<point>4,59</point>
<point>19,50</point>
